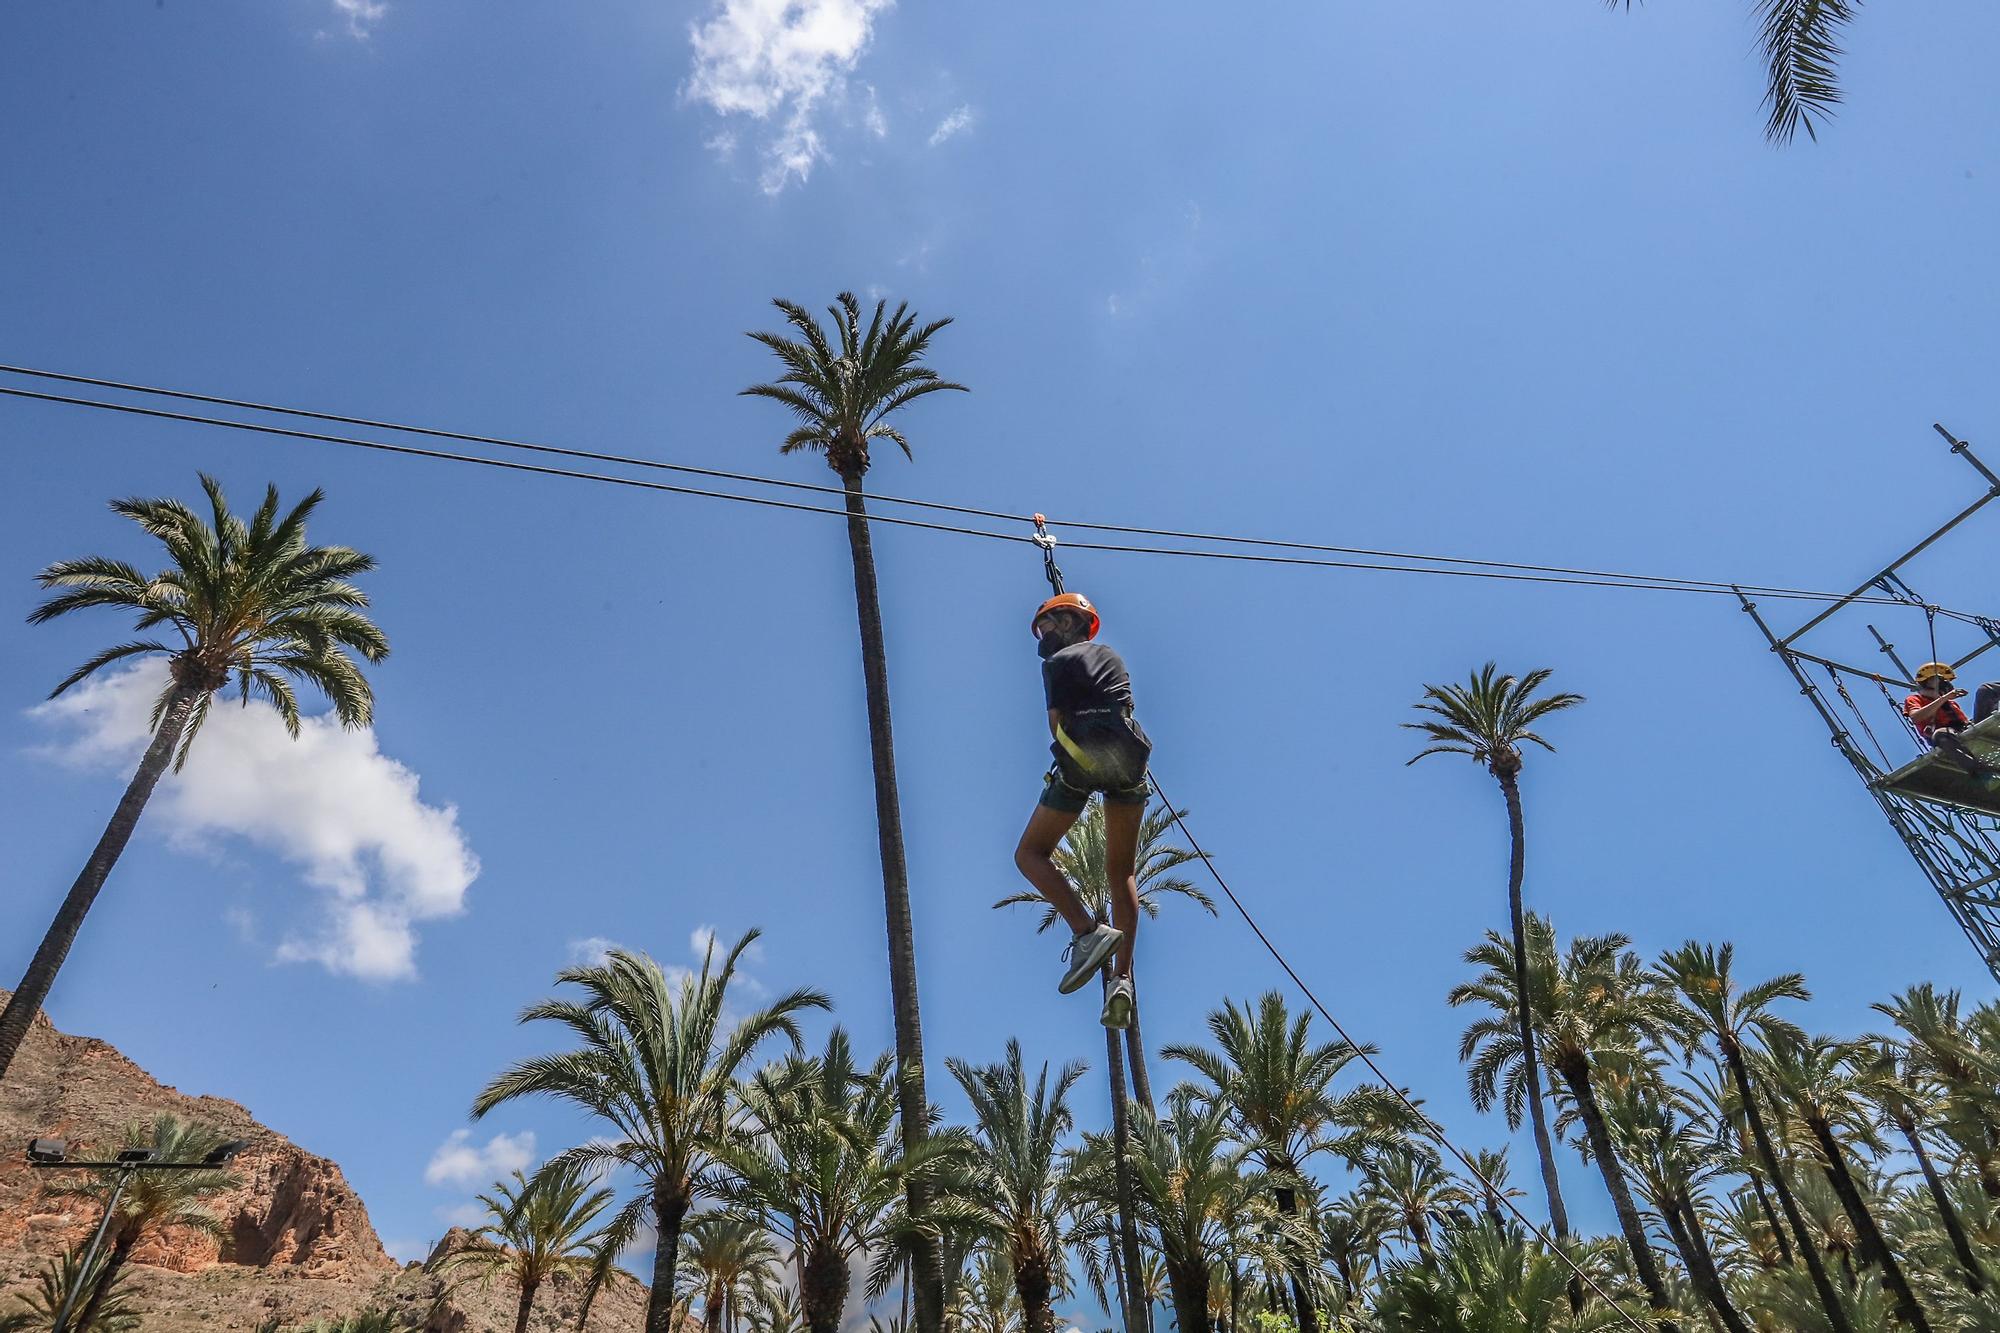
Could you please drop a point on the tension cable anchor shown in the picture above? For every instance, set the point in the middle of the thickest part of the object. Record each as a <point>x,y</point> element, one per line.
<point>1047,541</point>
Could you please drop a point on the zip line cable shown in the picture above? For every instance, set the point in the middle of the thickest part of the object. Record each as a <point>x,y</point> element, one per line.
<point>1563,574</point>
<point>1436,1130</point>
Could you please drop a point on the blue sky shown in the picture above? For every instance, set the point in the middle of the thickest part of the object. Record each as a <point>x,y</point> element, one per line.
<point>1512,281</point>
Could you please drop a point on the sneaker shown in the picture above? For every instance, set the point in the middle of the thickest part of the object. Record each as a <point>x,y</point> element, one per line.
<point>1118,1004</point>
<point>1086,953</point>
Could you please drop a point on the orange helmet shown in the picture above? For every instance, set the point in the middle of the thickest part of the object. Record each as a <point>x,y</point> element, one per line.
<point>1067,601</point>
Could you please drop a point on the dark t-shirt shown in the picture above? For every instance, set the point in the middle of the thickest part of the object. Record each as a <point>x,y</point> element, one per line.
<point>1086,676</point>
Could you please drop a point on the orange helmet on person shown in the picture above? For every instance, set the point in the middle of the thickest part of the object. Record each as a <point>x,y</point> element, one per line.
<point>1936,671</point>
<point>1067,601</point>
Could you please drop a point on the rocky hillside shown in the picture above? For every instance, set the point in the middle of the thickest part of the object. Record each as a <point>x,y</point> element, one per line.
<point>295,1241</point>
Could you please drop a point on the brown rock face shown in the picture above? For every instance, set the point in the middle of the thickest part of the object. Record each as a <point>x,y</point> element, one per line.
<point>289,1209</point>
<point>294,1243</point>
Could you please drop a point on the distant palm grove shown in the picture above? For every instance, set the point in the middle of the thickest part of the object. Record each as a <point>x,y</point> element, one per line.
<point>1759,1175</point>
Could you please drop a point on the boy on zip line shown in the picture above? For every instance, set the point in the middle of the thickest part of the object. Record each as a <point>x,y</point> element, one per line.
<point>1098,747</point>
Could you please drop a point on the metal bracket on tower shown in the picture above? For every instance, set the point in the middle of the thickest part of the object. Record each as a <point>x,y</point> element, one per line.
<point>1956,847</point>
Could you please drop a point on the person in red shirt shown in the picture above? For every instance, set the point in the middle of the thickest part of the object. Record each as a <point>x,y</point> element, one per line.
<point>1933,710</point>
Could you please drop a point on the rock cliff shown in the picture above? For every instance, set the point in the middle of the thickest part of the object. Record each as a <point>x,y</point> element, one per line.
<point>294,1243</point>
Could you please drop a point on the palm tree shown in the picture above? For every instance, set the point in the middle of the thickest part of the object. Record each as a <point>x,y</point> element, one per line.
<point>1593,1007</point>
<point>1197,1201</point>
<point>1816,1078</point>
<point>1082,860</point>
<point>1800,43</point>
<point>1671,1157</point>
<point>842,392</point>
<point>1352,1232</point>
<point>1727,1015</point>
<point>819,1165</point>
<point>730,1261</point>
<point>251,602</point>
<point>152,1201</point>
<point>654,1064</point>
<point>540,1231</point>
<point>1016,1182</point>
<point>1892,1081</point>
<point>1488,719</point>
<point>1961,1061</point>
<point>1418,1192</point>
<point>1275,1083</point>
<point>1488,1280</point>
<point>112,1312</point>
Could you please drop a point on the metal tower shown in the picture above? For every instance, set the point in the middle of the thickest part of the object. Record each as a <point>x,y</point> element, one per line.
<point>1949,824</point>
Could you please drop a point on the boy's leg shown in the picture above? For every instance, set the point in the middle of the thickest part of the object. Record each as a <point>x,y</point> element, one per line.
<point>1121,854</point>
<point>1035,858</point>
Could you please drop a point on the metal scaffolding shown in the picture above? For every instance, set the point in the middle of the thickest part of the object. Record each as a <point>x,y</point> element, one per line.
<point>1955,842</point>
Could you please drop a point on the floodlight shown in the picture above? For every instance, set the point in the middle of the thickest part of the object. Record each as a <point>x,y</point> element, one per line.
<point>47,1152</point>
<point>134,1156</point>
<point>225,1153</point>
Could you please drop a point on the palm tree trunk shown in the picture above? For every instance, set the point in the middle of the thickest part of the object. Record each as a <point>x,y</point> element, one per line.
<point>1138,1314</point>
<point>26,1001</point>
<point>1288,1205</point>
<point>525,1308</point>
<point>1874,1245</point>
<point>1033,1283</point>
<point>1135,1047</point>
<point>669,1209</point>
<point>1685,1228</point>
<point>1724,1129</point>
<point>1954,1226</point>
<point>915,1105</point>
<point>1644,1263</point>
<point>1189,1285</point>
<point>1836,1314</point>
<point>114,1263</point>
<point>824,1292</point>
<point>1510,787</point>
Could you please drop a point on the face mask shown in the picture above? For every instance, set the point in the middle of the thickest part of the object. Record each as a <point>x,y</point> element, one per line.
<point>1051,643</point>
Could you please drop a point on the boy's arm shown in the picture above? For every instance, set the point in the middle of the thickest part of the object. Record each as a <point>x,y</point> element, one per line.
<point>1930,710</point>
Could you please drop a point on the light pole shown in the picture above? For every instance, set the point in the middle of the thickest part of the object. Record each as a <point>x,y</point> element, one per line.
<point>53,1154</point>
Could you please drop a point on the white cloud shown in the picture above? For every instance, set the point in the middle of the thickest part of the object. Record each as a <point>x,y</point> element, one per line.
<point>592,950</point>
<point>461,1162</point>
<point>952,125</point>
<point>782,62</point>
<point>471,1216</point>
<point>407,1249</point>
<point>330,802</point>
<point>361,16</point>
<point>872,117</point>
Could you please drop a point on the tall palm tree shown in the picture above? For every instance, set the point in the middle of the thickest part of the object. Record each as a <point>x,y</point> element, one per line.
<point>1729,1016</point>
<point>1817,1082</point>
<point>1016,1183</point>
<point>248,601</point>
<point>842,392</point>
<point>655,1065</point>
<point>1892,1081</point>
<point>820,1165</point>
<point>1488,719</point>
<point>1961,1061</point>
<point>538,1230</point>
<point>730,1262</point>
<point>1276,1085</point>
<point>1593,1007</point>
<point>1671,1158</point>
<point>152,1201</point>
<point>1082,859</point>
